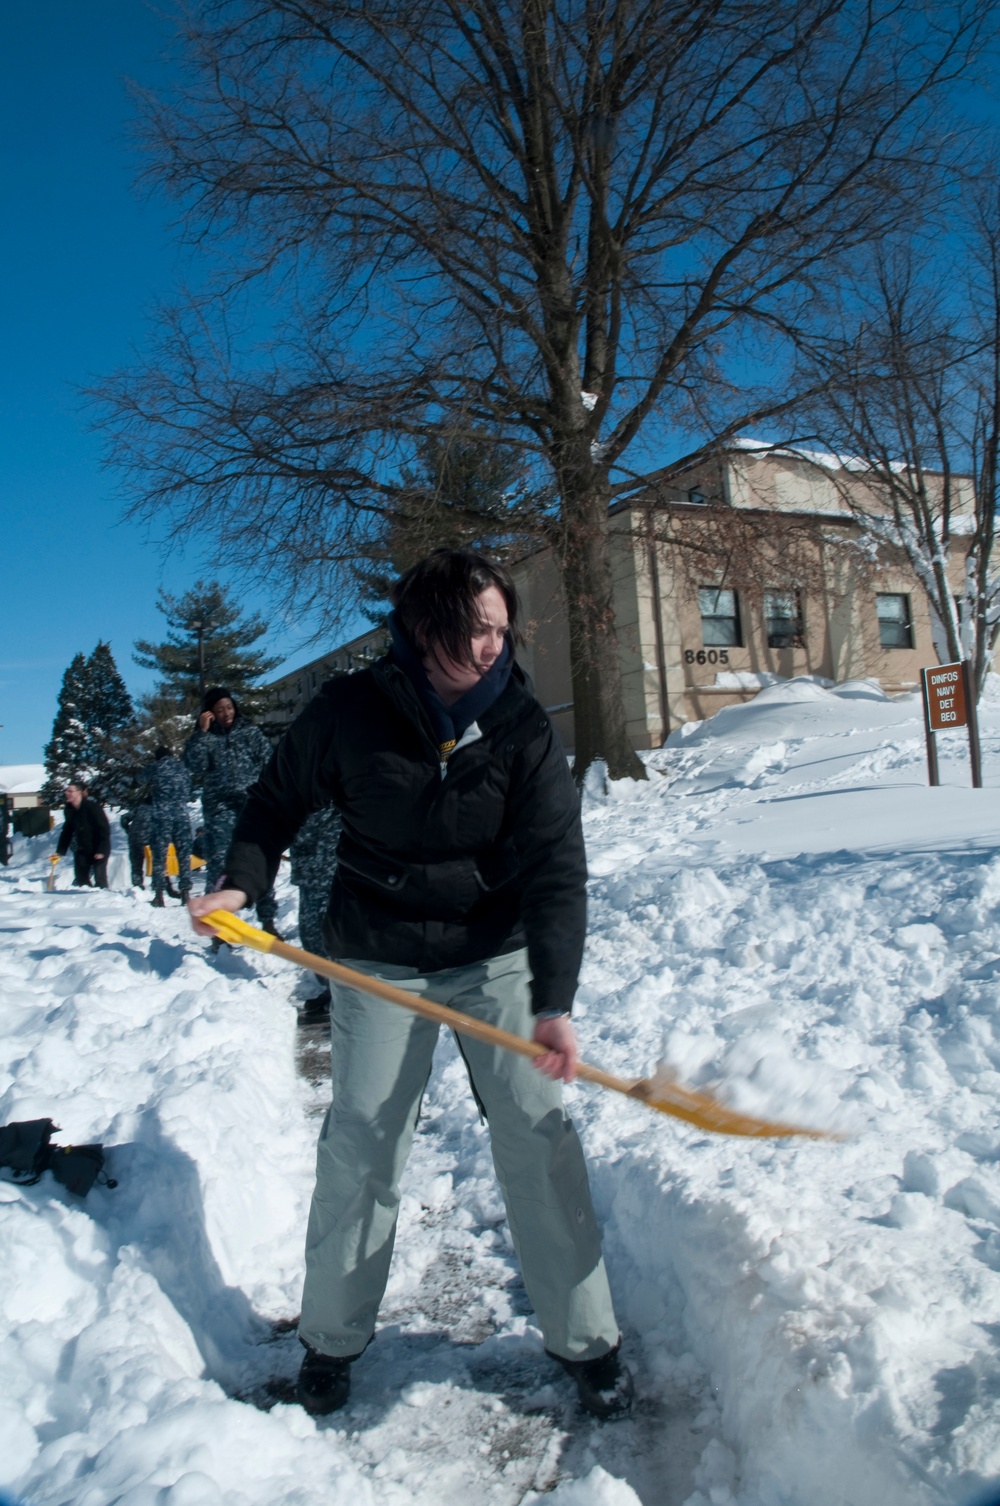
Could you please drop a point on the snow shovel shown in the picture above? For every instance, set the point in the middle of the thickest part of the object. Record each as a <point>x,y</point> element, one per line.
<point>173,862</point>
<point>657,1092</point>
<point>52,874</point>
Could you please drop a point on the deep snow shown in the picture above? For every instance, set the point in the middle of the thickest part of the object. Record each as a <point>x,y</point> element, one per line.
<point>783,910</point>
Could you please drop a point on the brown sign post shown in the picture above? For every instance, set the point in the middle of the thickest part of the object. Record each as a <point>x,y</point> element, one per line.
<point>950,702</point>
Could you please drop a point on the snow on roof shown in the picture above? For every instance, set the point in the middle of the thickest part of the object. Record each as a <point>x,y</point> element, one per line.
<point>21,778</point>
<point>825,458</point>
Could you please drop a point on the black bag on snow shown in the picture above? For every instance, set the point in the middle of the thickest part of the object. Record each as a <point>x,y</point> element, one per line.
<point>25,1150</point>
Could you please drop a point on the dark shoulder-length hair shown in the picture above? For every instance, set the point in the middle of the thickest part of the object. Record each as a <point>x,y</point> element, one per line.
<point>436,600</point>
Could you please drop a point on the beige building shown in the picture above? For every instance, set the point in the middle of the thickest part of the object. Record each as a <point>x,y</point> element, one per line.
<point>748,568</point>
<point>296,689</point>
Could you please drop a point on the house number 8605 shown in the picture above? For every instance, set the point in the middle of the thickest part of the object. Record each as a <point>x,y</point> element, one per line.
<point>706,656</point>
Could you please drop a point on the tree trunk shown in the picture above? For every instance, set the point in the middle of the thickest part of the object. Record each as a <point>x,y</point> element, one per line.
<point>584,554</point>
<point>985,633</point>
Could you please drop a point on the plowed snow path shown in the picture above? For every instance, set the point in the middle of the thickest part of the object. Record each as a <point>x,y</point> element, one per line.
<point>142,1316</point>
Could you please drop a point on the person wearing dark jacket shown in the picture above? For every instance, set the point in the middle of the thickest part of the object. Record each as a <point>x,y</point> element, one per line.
<point>460,874</point>
<point>225,754</point>
<point>86,827</point>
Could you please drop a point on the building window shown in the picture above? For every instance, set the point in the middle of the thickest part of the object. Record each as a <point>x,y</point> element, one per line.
<point>783,618</point>
<point>697,496</point>
<point>720,618</point>
<point>895,628</point>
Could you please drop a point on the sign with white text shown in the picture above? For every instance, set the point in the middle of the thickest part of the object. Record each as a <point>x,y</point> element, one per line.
<point>945,697</point>
<point>949,702</point>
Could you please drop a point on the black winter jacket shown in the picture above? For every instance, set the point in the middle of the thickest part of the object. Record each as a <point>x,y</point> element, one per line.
<point>437,866</point>
<point>87,828</point>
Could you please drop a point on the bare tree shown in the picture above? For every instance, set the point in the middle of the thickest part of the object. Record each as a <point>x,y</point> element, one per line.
<point>574,223</point>
<point>912,396</point>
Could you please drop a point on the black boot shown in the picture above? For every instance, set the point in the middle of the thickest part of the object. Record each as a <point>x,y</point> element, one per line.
<point>324,1382</point>
<point>604,1385</point>
<point>185,896</point>
<point>172,891</point>
<point>158,900</point>
<point>316,1011</point>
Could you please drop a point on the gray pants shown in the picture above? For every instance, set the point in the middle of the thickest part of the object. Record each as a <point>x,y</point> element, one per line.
<point>381,1060</point>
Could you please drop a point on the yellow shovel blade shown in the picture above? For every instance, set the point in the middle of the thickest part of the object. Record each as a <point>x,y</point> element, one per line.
<point>237,932</point>
<point>707,1113</point>
<point>173,862</point>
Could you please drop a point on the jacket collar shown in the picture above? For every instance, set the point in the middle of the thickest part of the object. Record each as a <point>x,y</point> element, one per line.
<point>395,683</point>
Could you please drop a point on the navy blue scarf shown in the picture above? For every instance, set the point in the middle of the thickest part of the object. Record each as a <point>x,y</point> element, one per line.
<point>449,722</point>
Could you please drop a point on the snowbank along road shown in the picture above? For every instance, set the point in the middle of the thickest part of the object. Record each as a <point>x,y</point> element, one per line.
<point>783,911</point>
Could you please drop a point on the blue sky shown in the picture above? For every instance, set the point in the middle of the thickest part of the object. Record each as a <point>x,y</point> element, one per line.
<point>82,260</point>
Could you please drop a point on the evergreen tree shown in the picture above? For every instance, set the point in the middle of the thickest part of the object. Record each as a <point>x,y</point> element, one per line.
<point>93,736</point>
<point>109,705</point>
<point>67,750</point>
<point>209,642</point>
<point>162,720</point>
<point>116,756</point>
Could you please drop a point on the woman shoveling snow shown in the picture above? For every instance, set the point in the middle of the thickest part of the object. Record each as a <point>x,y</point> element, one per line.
<point>461,874</point>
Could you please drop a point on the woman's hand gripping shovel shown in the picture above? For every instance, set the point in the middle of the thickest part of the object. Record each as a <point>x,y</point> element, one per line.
<point>700,1109</point>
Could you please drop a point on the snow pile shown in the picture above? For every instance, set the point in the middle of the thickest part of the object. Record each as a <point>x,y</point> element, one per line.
<point>757,679</point>
<point>831,967</point>
<point>119,1308</point>
<point>783,914</point>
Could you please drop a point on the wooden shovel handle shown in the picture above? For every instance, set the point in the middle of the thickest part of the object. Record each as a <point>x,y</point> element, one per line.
<point>680,1103</point>
<point>466,1024</point>
<point>670,1098</point>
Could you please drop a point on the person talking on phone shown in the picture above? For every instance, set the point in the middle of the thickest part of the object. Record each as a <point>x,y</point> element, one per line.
<point>225,754</point>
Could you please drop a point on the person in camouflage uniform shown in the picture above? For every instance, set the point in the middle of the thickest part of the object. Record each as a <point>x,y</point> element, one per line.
<point>225,755</point>
<point>170,788</point>
<point>137,824</point>
<point>313,863</point>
